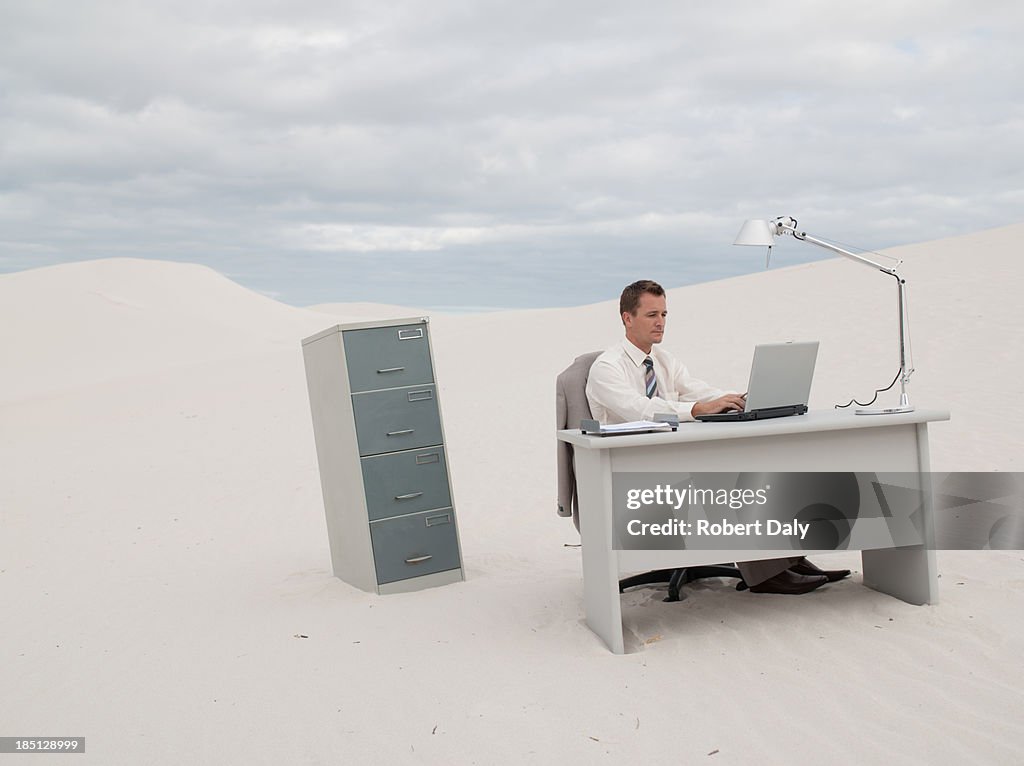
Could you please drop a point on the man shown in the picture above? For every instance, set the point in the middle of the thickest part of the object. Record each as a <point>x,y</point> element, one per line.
<point>635,380</point>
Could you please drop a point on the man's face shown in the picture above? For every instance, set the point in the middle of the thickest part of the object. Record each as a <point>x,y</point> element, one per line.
<point>647,326</point>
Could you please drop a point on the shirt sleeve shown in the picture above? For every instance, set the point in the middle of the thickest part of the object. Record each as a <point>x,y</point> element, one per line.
<point>691,389</point>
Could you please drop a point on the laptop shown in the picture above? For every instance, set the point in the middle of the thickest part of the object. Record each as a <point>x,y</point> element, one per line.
<point>780,382</point>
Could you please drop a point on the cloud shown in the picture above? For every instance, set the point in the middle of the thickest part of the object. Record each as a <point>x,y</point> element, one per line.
<point>283,143</point>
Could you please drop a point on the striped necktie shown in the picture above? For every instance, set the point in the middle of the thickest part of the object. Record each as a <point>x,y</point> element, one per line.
<point>650,382</point>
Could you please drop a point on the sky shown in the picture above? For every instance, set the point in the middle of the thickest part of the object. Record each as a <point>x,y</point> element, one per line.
<point>476,153</point>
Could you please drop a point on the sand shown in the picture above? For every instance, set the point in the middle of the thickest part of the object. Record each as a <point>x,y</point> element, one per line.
<point>165,574</point>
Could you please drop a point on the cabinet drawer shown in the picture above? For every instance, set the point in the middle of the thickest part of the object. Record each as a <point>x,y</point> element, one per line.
<point>399,419</point>
<point>405,482</point>
<point>410,546</point>
<point>388,357</point>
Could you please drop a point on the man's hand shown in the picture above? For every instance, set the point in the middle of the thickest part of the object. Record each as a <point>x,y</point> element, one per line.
<point>721,404</point>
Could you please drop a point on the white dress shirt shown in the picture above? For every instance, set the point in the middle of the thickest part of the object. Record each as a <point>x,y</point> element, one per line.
<point>617,393</point>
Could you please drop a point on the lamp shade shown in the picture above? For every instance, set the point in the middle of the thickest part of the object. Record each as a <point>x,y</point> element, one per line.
<point>756,232</point>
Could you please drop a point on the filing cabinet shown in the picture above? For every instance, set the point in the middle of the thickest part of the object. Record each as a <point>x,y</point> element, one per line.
<point>380,446</point>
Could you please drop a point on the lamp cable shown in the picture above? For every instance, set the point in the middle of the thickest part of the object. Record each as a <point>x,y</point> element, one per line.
<point>873,398</point>
<point>904,371</point>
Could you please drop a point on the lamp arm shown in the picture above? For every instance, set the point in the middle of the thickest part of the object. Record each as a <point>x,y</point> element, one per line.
<point>847,253</point>
<point>788,226</point>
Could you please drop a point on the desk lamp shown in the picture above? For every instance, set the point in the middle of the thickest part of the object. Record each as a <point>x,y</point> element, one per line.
<point>763,233</point>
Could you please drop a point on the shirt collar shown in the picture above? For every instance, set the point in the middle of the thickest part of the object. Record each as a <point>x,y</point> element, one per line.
<point>636,355</point>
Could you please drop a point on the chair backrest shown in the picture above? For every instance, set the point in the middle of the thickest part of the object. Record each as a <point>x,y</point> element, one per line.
<point>571,407</point>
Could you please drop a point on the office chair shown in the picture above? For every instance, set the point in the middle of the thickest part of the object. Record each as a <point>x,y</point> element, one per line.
<point>571,407</point>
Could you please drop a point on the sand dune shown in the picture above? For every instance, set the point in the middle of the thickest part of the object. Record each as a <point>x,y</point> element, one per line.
<point>80,323</point>
<point>366,312</point>
<point>165,573</point>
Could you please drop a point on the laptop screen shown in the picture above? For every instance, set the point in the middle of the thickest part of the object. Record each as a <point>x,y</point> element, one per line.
<point>781,374</point>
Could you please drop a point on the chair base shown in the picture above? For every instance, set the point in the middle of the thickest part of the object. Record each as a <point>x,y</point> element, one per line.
<point>676,578</point>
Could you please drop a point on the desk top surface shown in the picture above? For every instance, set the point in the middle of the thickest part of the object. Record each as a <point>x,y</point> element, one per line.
<point>815,420</point>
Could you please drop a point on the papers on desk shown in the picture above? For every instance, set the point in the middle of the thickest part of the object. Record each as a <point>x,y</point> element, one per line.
<point>632,427</point>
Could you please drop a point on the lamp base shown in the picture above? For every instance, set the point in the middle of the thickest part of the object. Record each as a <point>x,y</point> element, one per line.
<point>885,410</point>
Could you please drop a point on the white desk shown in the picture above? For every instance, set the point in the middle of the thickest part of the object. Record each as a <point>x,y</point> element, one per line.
<point>817,441</point>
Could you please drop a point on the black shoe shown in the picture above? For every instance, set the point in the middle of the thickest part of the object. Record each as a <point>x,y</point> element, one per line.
<point>805,567</point>
<point>790,583</point>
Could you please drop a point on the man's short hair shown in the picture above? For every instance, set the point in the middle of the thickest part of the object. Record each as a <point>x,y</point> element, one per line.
<point>630,298</point>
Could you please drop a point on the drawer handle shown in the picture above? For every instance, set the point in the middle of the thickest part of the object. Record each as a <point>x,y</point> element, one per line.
<point>410,334</point>
<point>410,496</point>
<point>428,458</point>
<point>420,396</point>
<point>401,433</point>
<point>390,369</point>
<point>418,559</point>
<point>444,518</point>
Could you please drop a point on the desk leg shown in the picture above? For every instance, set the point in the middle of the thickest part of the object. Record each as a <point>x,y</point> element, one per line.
<point>600,562</point>
<point>906,573</point>
<point>909,574</point>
